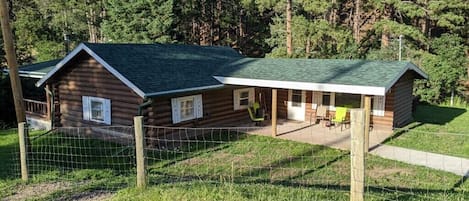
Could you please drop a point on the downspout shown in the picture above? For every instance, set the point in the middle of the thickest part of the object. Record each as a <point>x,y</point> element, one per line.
<point>52,108</point>
<point>146,103</point>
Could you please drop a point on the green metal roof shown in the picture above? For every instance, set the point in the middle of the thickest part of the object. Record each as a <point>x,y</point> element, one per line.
<point>162,67</point>
<point>41,67</point>
<point>37,70</point>
<point>156,69</point>
<point>330,71</point>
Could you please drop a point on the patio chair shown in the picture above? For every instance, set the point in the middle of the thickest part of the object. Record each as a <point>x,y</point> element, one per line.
<point>321,113</point>
<point>255,113</point>
<point>339,117</point>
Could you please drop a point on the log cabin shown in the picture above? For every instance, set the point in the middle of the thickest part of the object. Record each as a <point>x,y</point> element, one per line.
<point>203,86</point>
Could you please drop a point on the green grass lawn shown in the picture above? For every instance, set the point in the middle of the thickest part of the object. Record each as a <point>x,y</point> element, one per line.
<point>437,129</point>
<point>228,167</point>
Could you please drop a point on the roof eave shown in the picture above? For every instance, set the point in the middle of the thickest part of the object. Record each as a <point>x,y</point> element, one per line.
<point>28,74</point>
<point>161,93</point>
<point>409,66</point>
<point>339,88</point>
<point>83,47</point>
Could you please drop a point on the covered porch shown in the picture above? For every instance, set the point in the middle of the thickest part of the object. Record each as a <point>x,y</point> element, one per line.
<point>37,101</point>
<point>38,114</point>
<point>318,134</point>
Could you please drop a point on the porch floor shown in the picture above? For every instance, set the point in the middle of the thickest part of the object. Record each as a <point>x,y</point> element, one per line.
<point>318,133</point>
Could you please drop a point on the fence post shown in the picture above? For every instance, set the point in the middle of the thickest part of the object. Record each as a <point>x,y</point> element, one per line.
<point>139,151</point>
<point>367,122</point>
<point>357,155</point>
<point>22,133</point>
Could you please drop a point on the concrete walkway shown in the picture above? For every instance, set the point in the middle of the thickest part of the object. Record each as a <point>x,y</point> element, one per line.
<point>456,165</point>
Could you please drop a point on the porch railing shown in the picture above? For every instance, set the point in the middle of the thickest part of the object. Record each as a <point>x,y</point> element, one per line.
<point>35,108</point>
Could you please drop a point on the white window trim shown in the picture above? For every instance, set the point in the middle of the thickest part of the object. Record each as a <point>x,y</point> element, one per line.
<point>87,113</point>
<point>332,99</point>
<point>378,103</point>
<point>237,96</point>
<point>176,108</point>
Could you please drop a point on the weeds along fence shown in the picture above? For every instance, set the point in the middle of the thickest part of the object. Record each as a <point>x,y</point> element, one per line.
<point>227,163</point>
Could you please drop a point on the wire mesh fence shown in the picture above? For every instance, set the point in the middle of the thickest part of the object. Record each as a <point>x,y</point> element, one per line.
<point>233,164</point>
<point>236,162</point>
<point>79,161</point>
<point>420,165</point>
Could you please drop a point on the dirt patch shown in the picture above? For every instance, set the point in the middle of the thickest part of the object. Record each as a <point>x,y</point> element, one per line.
<point>25,192</point>
<point>37,190</point>
<point>380,173</point>
<point>89,196</point>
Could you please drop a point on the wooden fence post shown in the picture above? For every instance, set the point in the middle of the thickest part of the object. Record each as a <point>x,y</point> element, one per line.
<point>367,122</point>
<point>22,133</point>
<point>357,155</point>
<point>274,112</point>
<point>140,152</point>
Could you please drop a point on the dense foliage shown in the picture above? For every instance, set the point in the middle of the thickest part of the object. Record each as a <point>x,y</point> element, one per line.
<point>435,33</point>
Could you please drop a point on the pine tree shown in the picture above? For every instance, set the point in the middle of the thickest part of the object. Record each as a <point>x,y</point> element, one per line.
<point>142,21</point>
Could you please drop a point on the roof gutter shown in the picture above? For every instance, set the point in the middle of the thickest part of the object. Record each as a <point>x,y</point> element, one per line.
<point>184,90</point>
<point>147,102</point>
<point>338,88</point>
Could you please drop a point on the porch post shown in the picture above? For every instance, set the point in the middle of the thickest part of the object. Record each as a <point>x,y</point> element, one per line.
<point>367,122</point>
<point>274,112</point>
<point>48,101</point>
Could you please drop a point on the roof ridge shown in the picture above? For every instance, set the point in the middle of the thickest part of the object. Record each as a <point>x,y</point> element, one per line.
<point>157,43</point>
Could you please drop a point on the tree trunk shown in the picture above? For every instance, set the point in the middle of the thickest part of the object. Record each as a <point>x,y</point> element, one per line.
<point>92,28</point>
<point>356,21</point>
<point>217,23</point>
<point>385,38</point>
<point>240,29</point>
<point>308,47</point>
<point>385,33</point>
<point>205,27</point>
<point>333,16</point>
<point>289,32</point>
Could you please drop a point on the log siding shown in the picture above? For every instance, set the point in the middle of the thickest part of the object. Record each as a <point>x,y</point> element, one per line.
<point>86,77</point>
<point>218,110</point>
<point>403,100</point>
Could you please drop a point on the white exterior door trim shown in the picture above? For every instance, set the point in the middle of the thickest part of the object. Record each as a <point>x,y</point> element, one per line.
<point>296,112</point>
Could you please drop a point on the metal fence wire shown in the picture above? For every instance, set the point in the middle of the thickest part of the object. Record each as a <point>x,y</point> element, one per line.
<point>226,163</point>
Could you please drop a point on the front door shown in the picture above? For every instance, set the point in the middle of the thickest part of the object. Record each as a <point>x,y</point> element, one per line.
<point>296,104</point>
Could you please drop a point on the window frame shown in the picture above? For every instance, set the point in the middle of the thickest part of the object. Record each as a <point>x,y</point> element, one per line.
<point>378,102</point>
<point>359,96</point>
<point>186,99</point>
<point>88,110</point>
<point>237,98</point>
<point>176,108</point>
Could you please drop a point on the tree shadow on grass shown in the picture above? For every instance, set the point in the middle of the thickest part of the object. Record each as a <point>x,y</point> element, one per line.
<point>433,114</point>
<point>426,114</point>
<point>379,191</point>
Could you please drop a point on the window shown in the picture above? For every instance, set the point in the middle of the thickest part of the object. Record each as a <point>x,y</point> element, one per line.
<point>348,100</point>
<point>378,105</point>
<point>186,108</point>
<point>326,98</point>
<point>96,109</point>
<point>296,96</point>
<point>242,98</point>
